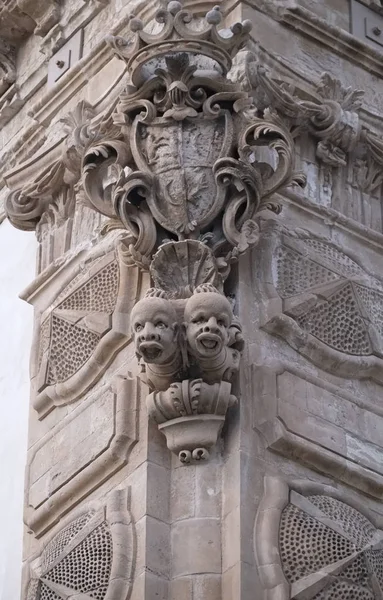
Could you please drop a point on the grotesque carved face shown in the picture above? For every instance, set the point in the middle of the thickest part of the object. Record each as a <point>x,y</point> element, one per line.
<point>154,325</point>
<point>208,317</point>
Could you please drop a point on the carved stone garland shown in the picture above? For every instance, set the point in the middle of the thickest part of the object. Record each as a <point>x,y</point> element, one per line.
<point>192,164</point>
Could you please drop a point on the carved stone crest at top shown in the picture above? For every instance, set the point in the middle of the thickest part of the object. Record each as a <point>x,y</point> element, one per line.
<point>194,159</point>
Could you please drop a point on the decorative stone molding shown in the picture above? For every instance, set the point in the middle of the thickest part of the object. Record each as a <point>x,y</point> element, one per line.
<point>7,66</point>
<point>313,542</point>
<point>309,419</point>
<point>84,326</point>
<point>334,38</point>
<point>91,557</point>
<point>86,458</point>
<point>330,306</point>
<point>10,102</point>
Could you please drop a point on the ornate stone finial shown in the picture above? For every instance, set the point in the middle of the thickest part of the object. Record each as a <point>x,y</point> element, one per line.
<point>206,48</point>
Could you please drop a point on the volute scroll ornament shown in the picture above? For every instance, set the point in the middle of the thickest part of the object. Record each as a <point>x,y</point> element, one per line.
<point>199,159</point>
<point>192,164</point>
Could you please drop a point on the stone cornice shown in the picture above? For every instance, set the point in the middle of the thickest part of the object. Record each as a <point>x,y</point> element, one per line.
<point>334,38</point>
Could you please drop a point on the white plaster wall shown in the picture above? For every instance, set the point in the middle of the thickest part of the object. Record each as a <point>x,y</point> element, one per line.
<point>17,268</point>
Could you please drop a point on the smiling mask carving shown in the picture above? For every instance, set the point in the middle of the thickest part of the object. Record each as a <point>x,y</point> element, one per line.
<point>208,328</point>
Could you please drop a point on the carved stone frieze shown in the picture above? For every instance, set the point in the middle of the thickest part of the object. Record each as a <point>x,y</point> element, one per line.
<point>330,306</point>
<point>90,557</point>
<point>313,542</point>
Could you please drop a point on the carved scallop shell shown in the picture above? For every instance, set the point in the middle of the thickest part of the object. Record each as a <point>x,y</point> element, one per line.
<point>179,267</point>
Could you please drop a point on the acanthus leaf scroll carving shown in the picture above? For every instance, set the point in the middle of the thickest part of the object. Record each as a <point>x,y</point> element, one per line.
<point>331,116</point>
<point>26,205</point>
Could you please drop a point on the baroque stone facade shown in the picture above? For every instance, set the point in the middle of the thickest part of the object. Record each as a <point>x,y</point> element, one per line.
<point>205,184</point>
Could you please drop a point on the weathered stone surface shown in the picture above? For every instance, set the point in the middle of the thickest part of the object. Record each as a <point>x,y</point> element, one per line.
<point>189,167</point>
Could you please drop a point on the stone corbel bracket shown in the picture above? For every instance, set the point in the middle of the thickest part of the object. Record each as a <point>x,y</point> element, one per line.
<point>189,350</point>
<point>108,532</point>
<point>89,308</point>
<point>336,515</point>
<point>322,302</point>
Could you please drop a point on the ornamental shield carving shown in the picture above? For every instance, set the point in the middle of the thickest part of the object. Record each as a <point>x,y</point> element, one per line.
<point>181,156</point>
